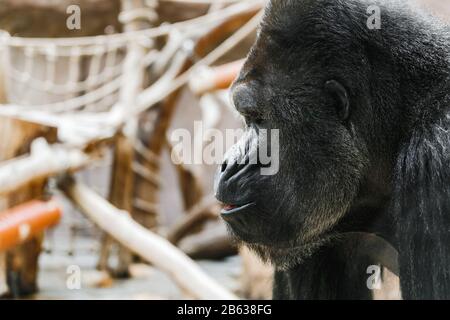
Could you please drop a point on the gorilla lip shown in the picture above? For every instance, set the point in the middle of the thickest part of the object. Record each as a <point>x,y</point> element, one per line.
<point>233,208</point>
<point>229,207</point>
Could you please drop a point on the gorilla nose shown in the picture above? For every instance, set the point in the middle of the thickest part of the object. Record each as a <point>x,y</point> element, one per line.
<point>245,101</point>
<point>228,169</point>
<point>222,181</point>
<point>225,183</point>
<point>239,171</point>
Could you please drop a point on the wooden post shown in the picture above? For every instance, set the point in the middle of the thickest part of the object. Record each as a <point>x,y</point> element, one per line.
<point>3,287</point>
<point>190,185</point>
<point>122,182</point>
<point>156,141</point>
<point>22,261</point>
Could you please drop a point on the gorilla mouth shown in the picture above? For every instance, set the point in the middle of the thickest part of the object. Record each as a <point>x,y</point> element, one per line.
<point>230,209</point>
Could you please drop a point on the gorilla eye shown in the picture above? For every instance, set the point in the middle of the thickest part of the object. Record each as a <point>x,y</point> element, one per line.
<point>339,93</point>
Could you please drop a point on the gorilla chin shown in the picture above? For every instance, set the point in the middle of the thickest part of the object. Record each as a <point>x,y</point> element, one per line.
<point>285,258</point>
<point>283,255</point>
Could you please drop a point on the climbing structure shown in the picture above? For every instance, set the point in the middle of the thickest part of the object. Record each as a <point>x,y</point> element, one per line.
<point>110,86</point>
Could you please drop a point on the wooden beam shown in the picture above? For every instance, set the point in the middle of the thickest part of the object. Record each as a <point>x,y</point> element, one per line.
<point>210,79</point>
<point>43,161</point>
<point>194,219</point>
<point>122,176</point>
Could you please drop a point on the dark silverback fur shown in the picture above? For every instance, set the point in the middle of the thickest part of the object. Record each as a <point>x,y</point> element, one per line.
<point>422,201</point>
<point>364,120</point>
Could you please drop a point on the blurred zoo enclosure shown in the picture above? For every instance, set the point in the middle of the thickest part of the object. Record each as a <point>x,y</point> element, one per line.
<point>86,117</point>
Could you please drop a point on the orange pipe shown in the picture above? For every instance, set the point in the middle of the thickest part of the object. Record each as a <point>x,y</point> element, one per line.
<point>27,220</point>
<point>224,75</point>
<point>215,78</point>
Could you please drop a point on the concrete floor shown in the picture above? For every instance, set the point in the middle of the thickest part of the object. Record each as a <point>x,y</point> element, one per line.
<point>146,282</point>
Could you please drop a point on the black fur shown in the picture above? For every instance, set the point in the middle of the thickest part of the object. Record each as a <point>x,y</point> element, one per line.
<point>364,120</point>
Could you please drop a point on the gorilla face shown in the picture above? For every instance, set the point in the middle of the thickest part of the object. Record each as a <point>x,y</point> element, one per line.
<point>311,83</point>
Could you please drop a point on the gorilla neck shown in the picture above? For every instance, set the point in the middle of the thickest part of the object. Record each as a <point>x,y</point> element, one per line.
<point>369,212</point>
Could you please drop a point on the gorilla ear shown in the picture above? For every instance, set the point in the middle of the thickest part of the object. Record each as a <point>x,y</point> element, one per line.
<point>339,93</point>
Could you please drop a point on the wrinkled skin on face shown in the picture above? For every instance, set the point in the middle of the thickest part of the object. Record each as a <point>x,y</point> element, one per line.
<point>314,83</point>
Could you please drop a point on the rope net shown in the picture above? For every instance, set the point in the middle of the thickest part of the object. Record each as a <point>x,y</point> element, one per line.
<point>94,84</point>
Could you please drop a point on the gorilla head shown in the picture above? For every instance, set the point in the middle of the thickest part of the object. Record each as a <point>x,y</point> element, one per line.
<point>345,98</point>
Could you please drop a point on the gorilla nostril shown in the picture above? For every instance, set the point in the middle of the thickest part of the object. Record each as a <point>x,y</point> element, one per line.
<point>228,169</point>
<point>223,167</point>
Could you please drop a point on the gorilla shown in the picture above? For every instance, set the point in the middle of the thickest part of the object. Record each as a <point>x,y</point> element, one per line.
<point>363,116</point>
